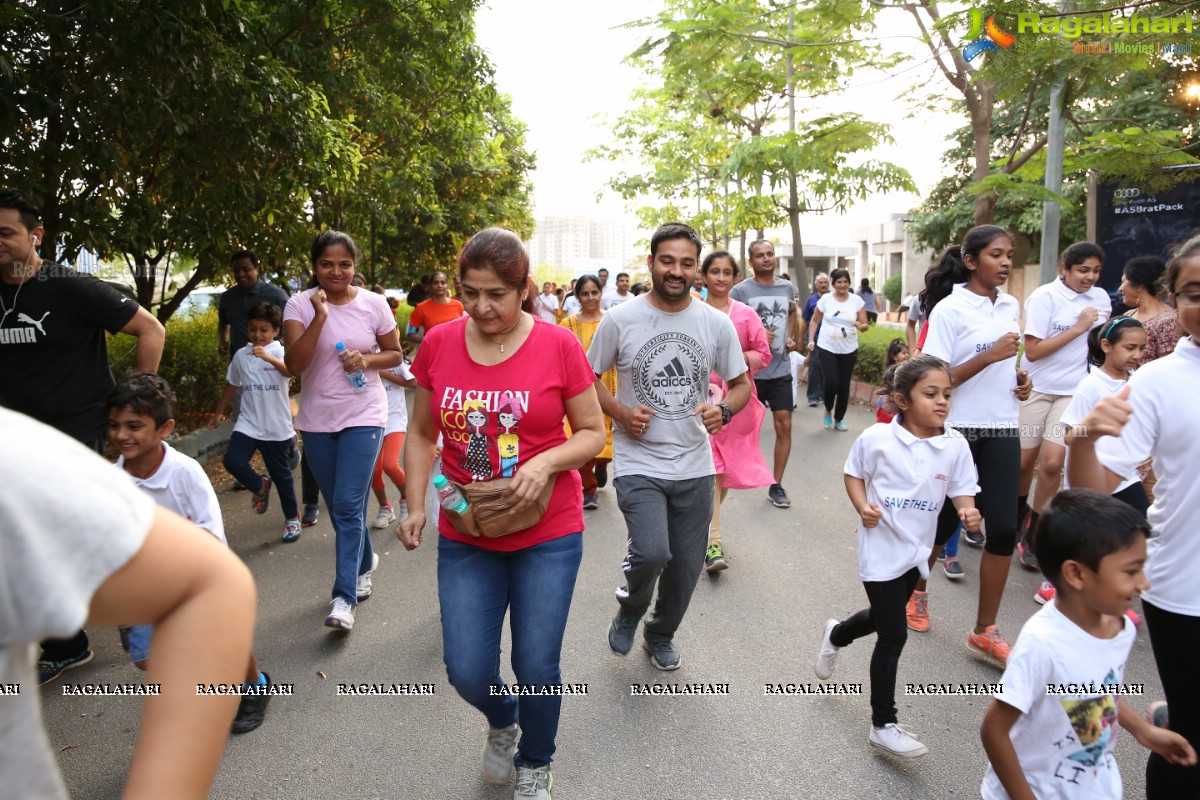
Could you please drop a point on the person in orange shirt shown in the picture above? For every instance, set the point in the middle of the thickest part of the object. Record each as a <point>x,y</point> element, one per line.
<point>439,308</point>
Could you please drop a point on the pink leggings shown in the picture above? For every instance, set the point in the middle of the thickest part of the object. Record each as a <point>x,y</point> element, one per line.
<point>389,462</point>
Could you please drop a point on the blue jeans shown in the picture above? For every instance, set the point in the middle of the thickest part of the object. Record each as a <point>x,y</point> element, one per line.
<point>276,456</point>
<point>343,462</point>
<point>475,588</point>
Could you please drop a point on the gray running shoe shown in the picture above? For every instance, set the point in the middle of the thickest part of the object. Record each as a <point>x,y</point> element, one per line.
<point>533,782</point>
<point>498,754</point>
<point>620,632</point>
<point>663,655</point>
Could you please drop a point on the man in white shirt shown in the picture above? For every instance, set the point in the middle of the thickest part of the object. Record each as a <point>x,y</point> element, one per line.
<point>620,295</point>
<point>545,305</point>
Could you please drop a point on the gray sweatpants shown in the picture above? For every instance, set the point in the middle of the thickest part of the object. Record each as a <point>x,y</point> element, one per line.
<point>668,535</point>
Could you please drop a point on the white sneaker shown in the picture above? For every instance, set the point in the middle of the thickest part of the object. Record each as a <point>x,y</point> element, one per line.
<point>533,782</point>
<point>384,518</point>
<point>362,587</point>
<point>827,658</point>
<point>498,752</point>
<point>341,615</point>
<point>897,741</point>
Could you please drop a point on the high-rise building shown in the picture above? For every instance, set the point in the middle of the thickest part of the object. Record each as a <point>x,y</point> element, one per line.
<point>567,241</point>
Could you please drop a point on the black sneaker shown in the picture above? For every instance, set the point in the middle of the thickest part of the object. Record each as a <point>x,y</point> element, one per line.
<point>663,655</point>
<point>311,512</point>
<point>1028,559</point>
<point>251,710</point>
<point>973,538</point>
<point>123,631</point>
<point>778,496</point>
<point>620,632</point>
<point>601,474</point>
<point>50,670</point>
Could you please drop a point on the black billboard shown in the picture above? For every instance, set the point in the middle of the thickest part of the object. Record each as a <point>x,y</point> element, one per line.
<point>1133,221</point>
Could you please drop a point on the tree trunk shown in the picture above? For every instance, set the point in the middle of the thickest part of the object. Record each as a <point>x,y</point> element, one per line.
<point>981,128</point>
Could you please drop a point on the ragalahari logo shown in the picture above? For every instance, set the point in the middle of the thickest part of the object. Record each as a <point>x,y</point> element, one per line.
<point>982,37</point>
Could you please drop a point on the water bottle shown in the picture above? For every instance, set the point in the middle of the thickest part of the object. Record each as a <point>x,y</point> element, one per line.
<point>357,379</point>
<point>452,499</point>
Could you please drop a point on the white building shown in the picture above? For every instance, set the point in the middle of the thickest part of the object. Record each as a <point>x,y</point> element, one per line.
<point>578,242</point>
<point>885,249</point>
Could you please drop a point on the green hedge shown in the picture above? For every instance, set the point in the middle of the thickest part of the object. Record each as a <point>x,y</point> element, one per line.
<point>872,353</point>
<point>190,363</point>
<point>891,290</point>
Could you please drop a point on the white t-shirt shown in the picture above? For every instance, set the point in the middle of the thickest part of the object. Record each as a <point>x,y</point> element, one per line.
<point>56,549</point>
<point>838,334</point>
<point>962,326</point>
<point>1064,742</point>
<point>397,421</point>
<point>265,412</point>
<point>1163,424</point>
<point>1089,391</point>
<point>908,479</point>
<point>179,484</point>
<point>571,305</point>
<point>614,299</point>
<point>1050,310</point>
<point>544,305</point>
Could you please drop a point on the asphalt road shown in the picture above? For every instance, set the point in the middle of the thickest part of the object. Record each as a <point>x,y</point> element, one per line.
<point>757,623</point>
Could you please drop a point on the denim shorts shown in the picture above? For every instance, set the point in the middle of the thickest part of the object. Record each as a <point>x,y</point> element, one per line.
<point>139,642</point>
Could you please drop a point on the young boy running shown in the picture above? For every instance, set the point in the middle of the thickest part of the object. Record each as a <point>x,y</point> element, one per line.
<point>141,415</point>
<point>1051,730</point>
<point>265,420</point>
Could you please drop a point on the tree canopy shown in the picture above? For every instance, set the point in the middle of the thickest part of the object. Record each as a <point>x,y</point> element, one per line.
<point>146,130</point>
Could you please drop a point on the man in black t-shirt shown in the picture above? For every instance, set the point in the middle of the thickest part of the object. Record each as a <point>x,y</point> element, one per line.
<point>54,355</point>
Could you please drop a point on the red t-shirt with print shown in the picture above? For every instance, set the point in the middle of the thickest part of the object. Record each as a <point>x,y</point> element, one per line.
<point>493,418</point>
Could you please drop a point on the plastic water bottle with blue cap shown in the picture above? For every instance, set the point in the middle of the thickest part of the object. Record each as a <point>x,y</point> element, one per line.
<point>451,498</point>
<point>357,379</point>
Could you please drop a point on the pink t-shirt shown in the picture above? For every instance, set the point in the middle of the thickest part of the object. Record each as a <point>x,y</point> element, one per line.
<point>328,403</point>
<point>494,418</point>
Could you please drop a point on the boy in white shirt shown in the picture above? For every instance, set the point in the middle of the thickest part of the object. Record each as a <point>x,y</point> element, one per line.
<point>264,422</point>
<point>1051,730</point>
<point>141,411</point>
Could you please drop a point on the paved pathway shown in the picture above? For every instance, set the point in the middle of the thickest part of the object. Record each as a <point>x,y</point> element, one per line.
<point>757,623</point>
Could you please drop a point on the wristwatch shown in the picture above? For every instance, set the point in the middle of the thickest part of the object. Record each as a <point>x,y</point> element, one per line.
<point>726,413</point>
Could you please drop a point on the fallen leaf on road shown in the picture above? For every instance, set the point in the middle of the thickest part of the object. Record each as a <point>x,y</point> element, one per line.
<point>265,545</point>
<point>66,747</point>
<point>321,675</point>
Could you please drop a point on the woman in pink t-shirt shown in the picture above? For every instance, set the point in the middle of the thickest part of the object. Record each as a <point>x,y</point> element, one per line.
<point>341,422</point>
<point>496,386</point>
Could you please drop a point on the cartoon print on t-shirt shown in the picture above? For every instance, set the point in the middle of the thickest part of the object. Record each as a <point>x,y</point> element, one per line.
<point>477,460</point>
<point>1094,720</point>
<point>508,443</point>
<point>773,312</point>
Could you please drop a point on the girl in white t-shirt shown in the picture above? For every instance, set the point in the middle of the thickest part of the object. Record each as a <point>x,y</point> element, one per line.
<point>837,344</point>
<point>395,381</point>
<point>1058,317</point>
<point>975,327</point>
<point>1156,414</point>
<point>898,476</point>
<point>1115,348</point>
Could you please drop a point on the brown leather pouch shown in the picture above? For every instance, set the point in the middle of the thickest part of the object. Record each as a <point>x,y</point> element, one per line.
<point>491,514</point>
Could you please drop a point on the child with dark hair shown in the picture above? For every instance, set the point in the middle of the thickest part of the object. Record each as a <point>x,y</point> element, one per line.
<point>897,353</point>
<point>898,476</point>
<point>141,415</point>
<point>1055,720</point>
<point>264,422</point>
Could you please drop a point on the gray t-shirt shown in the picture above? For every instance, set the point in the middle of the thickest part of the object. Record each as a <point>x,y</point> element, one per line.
<point>772,304</point>
<point>663,361</point>
<point>56,548</point>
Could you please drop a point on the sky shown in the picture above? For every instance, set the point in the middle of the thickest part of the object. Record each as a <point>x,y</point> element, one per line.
<point>561,61</point>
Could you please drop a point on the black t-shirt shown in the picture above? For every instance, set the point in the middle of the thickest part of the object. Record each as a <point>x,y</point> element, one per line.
<point>53,352</point>
<point>235,304</point>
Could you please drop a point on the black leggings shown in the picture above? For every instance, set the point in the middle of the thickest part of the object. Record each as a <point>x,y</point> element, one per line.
<point>884,617</point>
<point>837,369</point>
<point>997,456</point>
<point>1173,638</point>
<point>1135,495</point>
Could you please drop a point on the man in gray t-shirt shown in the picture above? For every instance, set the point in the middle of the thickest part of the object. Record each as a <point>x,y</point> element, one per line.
<point>774,300</point>
<point>664,346</point>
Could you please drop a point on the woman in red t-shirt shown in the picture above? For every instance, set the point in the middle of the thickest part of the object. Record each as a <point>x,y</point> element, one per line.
<point>496,386</point>
<point>438,309</point>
